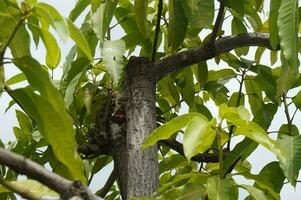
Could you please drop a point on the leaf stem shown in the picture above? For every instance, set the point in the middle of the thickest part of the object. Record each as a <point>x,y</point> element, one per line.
<point>287,114</point>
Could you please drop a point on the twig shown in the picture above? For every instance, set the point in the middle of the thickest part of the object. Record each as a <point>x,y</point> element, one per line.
<point>157,30</point>
<point>241,82</point>
<point>24,193</point>
<point>106,188</point>
<point>218,23</point>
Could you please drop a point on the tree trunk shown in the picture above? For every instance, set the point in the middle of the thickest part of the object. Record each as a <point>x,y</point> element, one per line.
<point>142,165</point>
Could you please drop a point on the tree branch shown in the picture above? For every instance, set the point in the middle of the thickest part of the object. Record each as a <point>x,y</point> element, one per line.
<point>106,188</point>
<point>35,171</point>
<point>218,22</point>
<point>185,58</point>
<point>202,157</point>
<point>157,30</point>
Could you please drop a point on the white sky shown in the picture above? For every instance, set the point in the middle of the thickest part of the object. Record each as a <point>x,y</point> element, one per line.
<point>258,159</point>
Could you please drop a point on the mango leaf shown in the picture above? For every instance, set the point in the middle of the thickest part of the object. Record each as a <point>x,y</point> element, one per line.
<point>47,109</point>
<point>71,78</point>
<point>140,10</point>
<point>188,191</point>
<point>20,45</point>
<point>289,42</point>
<point>238,27</point>
<point>102,17</point>
<point>224,189</point>
<point>254,192</point>
<point>112,53</point>
<point>53,17</point>
<point>79,39</point>
<point>169,128</point>
<point>238,6</point>
<point>257,134</point>
<point>273,27</point>
<point>273,175</point>
<point>291,166</point>
<point>53,52</point>
<point>198,136</point>
<point>79,7</point>
<point>15,79</point>
<point>33,186</point>
<point>168,91</point>
<point>172,162</point>
<point>199,13</point>
<point>297,100</point>
<point>178,23</point>
<point>200,71</point>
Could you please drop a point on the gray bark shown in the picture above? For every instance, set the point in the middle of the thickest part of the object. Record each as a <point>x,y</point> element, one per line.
<point>142,165</point>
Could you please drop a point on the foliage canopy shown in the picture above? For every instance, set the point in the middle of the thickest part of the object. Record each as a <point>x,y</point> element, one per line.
<point>70,124</point>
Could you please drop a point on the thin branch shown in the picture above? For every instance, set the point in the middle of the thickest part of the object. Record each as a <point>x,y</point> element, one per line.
<point>241,82</point>
<point>189,57</point>
<point>106,188</point>
<point>35,171</point>
<point>24,193</point>
<point>292,119</point>
<point>218,22</point>
<point>157,30</point>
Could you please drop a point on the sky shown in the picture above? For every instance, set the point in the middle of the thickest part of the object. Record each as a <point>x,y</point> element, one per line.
<point>259,158</point>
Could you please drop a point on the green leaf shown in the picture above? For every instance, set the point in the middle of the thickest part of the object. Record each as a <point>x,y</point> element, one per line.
<point>238,27</point>
<point>272,179</point>
<point>80,6</point>
<point>24,122</point>
<point>292,165</point>
<point>47,109</point>
<point>79,39</point>
<point>297,100</point>
<point>33,186</point>
<point>112,53</point>
<point>254,192</point>
<point>273,27</point>
<point>238,6</point>
<point>102,16</point>
<point>20,45</point>
<point>168,91</point>
<point>289,41</point>
<point>140,10</point>
<point>169,128</point>
<point>53,52</point>
<point>188,191</point>
<point>172,162</point>
<point>178,24</point>
<point>200,71</point>
<point>199,13</point>
<point>198,136</point>
<point>221,189</point>
<point>71,78</point>
<point>16,79</point>
<point>53,17</point>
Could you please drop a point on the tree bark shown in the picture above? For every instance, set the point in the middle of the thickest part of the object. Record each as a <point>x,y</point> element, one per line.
<point>142,165</point>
